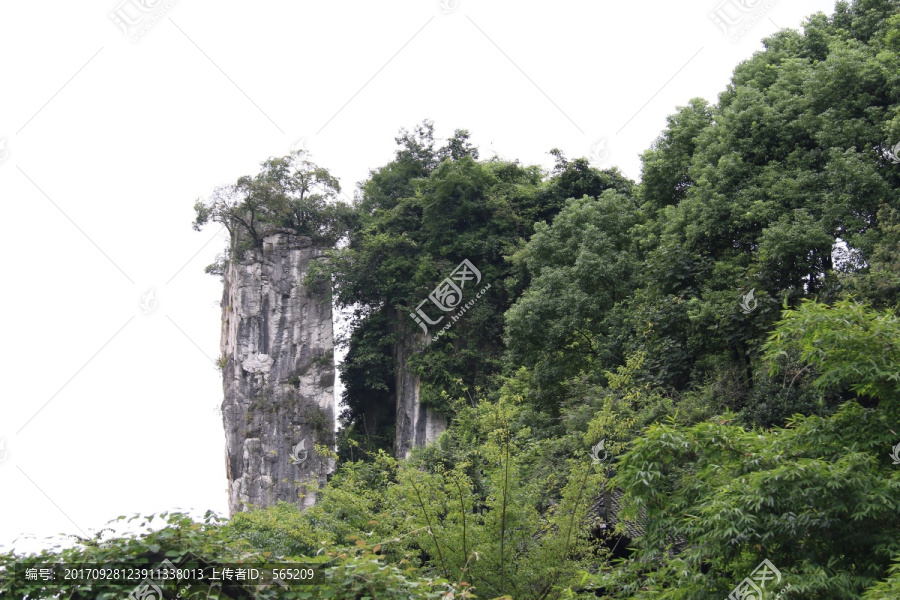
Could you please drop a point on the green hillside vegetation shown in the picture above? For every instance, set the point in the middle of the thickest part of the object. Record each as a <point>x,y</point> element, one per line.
<point>727,328</point>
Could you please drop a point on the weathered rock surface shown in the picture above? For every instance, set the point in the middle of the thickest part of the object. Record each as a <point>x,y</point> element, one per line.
<point>278,375</point>
<point>417,425</point>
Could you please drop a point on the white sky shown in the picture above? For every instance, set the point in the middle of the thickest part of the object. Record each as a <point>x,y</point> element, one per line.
<point>107,411</point>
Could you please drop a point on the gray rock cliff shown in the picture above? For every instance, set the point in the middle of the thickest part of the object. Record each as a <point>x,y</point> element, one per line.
<point>417,425</point>
<point>278,375</point>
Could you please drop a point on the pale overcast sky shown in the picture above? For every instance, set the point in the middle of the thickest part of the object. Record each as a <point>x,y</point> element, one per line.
<point>115,115</point>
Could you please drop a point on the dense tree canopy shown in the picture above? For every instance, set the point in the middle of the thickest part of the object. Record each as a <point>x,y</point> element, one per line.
<point>420,216</point>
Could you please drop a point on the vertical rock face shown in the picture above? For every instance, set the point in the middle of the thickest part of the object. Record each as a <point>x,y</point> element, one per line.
<point>417,425</point>
<point>278,354</point>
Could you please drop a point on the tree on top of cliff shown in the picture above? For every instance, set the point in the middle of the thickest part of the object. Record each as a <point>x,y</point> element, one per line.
<point>289,191</point>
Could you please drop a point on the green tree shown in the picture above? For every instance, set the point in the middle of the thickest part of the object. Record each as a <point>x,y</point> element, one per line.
<point>582,266</point>
<point>818,498</point>
<point>288,192</point>
<point>419,217</point>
